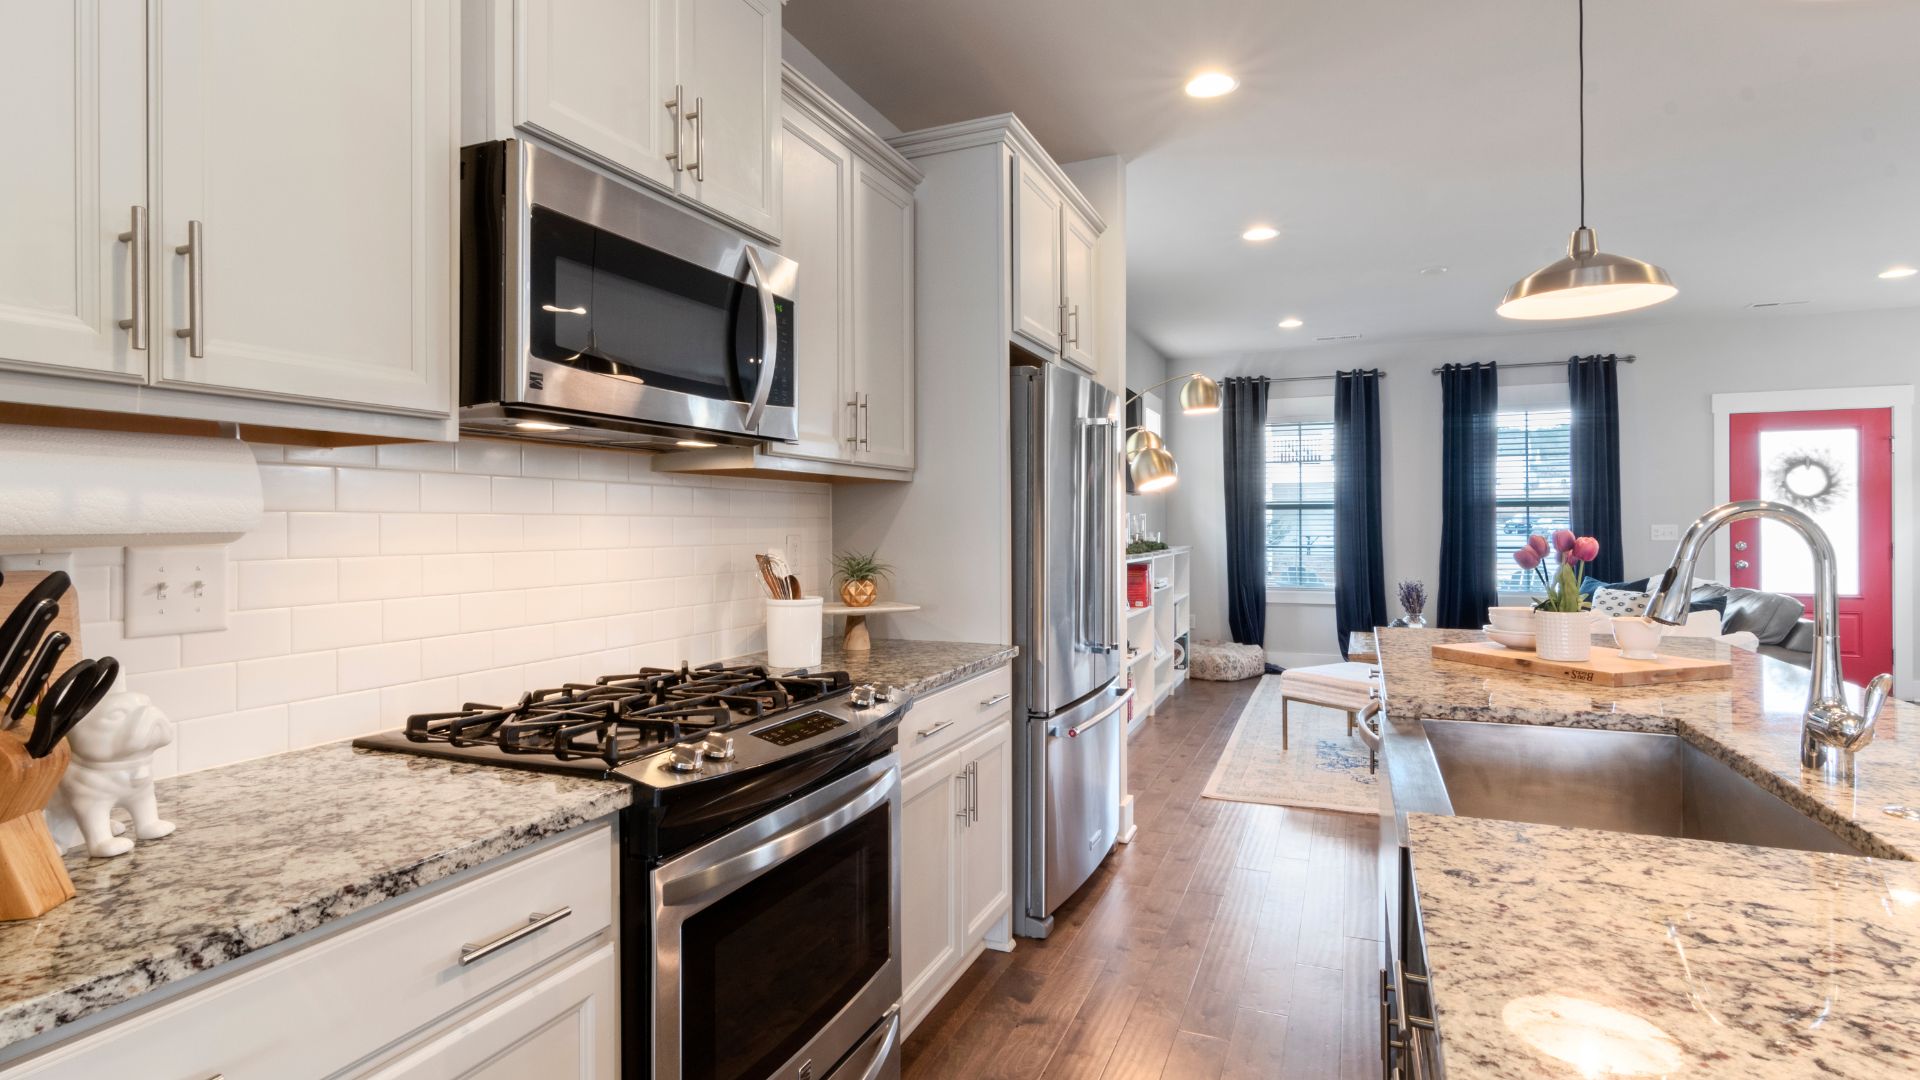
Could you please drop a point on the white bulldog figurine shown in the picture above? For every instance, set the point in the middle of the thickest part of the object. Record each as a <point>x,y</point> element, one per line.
<point>112,766</point>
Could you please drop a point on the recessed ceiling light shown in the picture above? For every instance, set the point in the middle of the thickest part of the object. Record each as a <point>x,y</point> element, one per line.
<point>1898,272</point>
<point>1432,271</point>
<point>1291,323</point>
<point>1211,84</point>
<point>696,444</point>
<point>1260,232</point>
<point>538,425</point>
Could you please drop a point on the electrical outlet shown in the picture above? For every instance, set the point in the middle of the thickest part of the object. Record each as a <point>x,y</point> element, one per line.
<point>1666,532</point>
<point>46,561</point>
<point>176,590</point>
<point>793,547</point>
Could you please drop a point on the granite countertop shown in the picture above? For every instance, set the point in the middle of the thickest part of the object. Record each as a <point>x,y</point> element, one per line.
<point>1561,953</point>
<point>918,667</point>
<point>1702,958</point>
<point>264,850</point>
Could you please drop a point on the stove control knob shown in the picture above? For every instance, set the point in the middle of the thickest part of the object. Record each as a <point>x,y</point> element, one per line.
<point>893,694</point>
<point>864,696</point>
<point>718,747</point>
<point>686,758</point>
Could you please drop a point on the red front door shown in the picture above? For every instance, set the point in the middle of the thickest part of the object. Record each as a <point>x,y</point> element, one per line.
<point>1837,466</point>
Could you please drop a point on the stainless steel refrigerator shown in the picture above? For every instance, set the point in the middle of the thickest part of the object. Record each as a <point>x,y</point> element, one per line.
<point>1069,698</point>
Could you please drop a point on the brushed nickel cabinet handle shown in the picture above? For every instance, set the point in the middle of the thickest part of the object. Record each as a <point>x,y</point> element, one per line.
<point>137,258</point>
<point>677,106</point>
<point>866,424</point>
<point>196,329</point>
<point>930,732</point>
<point>699,118</point>
<point>1075,316</point>
<point>973,791</point>
<point>536,922</point>
<point>996,699</point>
<point>853,420</point>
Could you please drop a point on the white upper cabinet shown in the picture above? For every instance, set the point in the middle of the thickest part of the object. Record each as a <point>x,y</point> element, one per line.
<point>883,317</point>
<point>729,64</point>
<point>816,199</point>
<point>1037,315</point>
<point>303,200</point>
<point>597,75</point>
<point>1077,240</point>
<point>75,180</point>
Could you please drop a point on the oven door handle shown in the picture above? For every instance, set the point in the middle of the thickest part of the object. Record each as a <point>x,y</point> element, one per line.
<point>769,340</point>
<point>869,1061</point>
<point>695,887</point>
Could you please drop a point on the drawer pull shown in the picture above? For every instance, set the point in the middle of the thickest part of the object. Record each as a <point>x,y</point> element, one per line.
<point>930,732</point>
<point>535,922</point>
<point>996,699</point>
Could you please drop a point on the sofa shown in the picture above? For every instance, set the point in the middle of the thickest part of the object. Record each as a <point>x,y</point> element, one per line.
<point>1779,621</point>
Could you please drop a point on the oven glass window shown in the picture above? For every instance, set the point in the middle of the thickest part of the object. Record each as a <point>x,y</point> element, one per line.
<point>766,967</point>
<point>606,304</point>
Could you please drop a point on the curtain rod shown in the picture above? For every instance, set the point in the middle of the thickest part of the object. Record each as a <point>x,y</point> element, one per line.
<point>1549,363</point>
<point>1310,378</point>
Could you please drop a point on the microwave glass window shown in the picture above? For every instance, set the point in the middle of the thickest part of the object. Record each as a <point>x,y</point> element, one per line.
<point>764,968</point>
<point>606,304</point>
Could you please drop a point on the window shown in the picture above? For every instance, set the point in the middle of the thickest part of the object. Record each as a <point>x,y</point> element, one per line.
<point>1300,505</point>
<point>1533,484</point>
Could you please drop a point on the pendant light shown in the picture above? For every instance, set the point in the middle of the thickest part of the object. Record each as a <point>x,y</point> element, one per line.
<point>1588,281</point>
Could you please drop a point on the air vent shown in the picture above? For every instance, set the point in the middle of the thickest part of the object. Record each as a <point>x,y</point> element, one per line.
<point>1778,303</point>
<point>1339,337</point>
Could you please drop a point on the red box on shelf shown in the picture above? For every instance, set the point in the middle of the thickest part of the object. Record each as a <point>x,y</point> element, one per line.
<point>1139,585</point>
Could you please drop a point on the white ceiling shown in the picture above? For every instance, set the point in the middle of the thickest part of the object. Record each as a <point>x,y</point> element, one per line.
<point>1760,150</point>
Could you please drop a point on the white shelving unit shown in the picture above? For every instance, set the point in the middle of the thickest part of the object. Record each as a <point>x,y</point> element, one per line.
<point>1159,635</point>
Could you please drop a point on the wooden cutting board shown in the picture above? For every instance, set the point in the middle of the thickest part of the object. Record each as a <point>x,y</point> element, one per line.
<point>1606,667</point>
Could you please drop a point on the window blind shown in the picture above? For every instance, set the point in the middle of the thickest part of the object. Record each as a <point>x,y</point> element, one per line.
<point>1300,505</point>
<point>1533,485</point>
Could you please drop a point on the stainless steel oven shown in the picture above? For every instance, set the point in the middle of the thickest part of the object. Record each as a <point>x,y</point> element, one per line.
<point>777,945</point>
<point>595,311</point>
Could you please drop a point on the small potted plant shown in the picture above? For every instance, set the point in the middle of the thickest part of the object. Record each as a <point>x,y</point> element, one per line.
<point>1413,601</point>
<point>1563,631</point>
<point>859,577</point>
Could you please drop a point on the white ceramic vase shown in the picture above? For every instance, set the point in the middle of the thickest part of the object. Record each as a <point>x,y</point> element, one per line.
<point>1565,636</point>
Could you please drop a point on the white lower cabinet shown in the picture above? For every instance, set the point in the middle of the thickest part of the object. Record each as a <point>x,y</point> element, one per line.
<point>541,1005</point>
<point>956,840</point>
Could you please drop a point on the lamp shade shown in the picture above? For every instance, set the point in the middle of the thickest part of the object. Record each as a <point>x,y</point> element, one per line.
<point>1587,282</point>
<point>1152,469</point>
<point>1141,439</point>
<point>1200,395</point>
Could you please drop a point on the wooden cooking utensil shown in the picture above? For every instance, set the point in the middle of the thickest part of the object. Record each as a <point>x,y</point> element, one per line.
<point>33,880</point>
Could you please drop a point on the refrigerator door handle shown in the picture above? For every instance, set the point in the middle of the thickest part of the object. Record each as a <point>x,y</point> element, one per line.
<point>1091,557</point>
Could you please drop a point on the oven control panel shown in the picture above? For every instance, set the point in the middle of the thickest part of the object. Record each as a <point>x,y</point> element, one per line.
<point>800,728</point>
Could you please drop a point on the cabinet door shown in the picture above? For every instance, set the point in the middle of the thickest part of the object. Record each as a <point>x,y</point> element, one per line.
<point>76,167</point>
<point>986,836</point>
<point>730,63</point>
<point>930,797</point>
<point>312,147</point>
<point>565,1026</point>
<point>816,195</point>
<point>1036,260</point>
<point>597,75</point>
<point>1077,239</point>
<point>883,317</point>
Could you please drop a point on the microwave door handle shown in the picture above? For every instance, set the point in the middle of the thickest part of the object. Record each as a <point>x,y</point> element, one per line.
<point>769,341</point>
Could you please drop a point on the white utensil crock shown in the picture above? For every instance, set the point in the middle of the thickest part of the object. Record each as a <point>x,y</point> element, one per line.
<point>1565,636</point>
<point>794,628</point>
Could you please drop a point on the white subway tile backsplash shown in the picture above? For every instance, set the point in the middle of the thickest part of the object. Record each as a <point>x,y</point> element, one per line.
<point>382,582</point>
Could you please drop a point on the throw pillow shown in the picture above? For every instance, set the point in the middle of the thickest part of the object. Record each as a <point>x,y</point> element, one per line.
<point>1613,602</point>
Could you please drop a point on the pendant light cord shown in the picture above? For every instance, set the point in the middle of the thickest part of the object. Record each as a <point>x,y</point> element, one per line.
<point>1582,49</point>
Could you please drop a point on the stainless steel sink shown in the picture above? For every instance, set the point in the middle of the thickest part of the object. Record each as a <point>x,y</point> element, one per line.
<point>1621,781</point>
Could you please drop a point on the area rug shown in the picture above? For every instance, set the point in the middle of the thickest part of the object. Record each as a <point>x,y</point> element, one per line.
<point>1323,768</point>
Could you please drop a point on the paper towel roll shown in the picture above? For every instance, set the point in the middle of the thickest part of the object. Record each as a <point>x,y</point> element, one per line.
<point>64,488</point>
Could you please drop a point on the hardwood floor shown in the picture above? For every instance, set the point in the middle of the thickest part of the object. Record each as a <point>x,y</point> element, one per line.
<point>1229,940</point>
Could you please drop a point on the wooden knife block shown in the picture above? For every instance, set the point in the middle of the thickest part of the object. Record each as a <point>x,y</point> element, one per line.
<point>33,879</point>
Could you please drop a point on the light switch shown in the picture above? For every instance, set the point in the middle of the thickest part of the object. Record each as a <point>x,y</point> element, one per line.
<point>176,590</point>
<point>1666,532</point>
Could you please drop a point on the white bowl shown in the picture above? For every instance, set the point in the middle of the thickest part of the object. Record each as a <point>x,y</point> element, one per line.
<point>1514,619</point>
<point>1512,639</point>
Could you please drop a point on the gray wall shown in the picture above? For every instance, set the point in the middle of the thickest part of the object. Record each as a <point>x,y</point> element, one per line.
<point>1666,431</point>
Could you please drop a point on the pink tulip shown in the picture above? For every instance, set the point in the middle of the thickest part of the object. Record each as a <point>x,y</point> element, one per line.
<point>1586,549</point>
<point>1563,540</point>
<point>1527,557</point>
<point>1539,544</point>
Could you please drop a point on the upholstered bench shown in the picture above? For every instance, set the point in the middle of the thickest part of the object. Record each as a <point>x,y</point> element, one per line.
<point>1224,661</point>
<point>1348,687</point>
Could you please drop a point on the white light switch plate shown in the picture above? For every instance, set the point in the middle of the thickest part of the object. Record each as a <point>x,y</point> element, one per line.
<point>176,590</point>
<point>46,561</point>
<point>1666,532</point>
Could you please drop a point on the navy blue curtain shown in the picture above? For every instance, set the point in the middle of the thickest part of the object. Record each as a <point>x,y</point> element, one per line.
<point>1244,442</point>
<point>1359,579</point>
<point>1594,391</point>
<point>1469,443</point>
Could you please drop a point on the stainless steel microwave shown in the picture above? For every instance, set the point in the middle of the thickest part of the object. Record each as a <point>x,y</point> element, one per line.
<point>593,311</point>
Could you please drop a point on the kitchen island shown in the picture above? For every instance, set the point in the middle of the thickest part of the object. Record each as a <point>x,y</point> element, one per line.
<point>1567,952</point>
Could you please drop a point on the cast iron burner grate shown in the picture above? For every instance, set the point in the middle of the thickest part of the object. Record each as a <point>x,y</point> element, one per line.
<point>617,718</point>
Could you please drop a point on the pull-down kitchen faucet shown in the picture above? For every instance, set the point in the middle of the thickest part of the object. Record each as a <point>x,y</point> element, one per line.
<point>1832,731</point>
